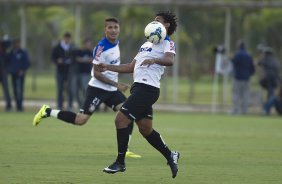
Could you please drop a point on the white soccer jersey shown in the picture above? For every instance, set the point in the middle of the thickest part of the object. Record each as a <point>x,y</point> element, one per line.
<point>108,53</point>
<point>151,75</point>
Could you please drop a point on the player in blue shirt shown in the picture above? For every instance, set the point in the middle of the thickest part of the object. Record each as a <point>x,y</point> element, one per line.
<point>102,87</point>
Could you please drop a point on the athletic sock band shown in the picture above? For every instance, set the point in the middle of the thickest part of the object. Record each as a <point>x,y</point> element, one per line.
<point>66,116</point>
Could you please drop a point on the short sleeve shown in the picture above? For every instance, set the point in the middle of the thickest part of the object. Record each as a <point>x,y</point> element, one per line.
<point>136,57</point>
<point>98,56</point>
<point>169,46</point>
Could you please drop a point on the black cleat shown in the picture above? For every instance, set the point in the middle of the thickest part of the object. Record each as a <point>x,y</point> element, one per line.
<point>172,162</point>
<point>115,167</point>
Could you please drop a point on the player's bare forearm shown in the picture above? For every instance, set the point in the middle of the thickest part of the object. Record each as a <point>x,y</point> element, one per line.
<point>167,60</point>
<point>98,75</point>
<point>123,68</point>
<point>164,61</point>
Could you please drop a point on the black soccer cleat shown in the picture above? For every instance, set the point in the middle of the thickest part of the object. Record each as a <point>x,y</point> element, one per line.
<point>115,167</point>
<point>172,162</point>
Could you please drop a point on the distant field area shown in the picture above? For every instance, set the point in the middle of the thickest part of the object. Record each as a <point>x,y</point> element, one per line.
<point>214,149</point>
<point>43,87</point>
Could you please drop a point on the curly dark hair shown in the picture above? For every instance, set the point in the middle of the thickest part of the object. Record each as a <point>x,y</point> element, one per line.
<point>170,18</point>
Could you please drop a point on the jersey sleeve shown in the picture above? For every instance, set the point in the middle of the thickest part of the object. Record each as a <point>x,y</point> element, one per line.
<point>98,56</point>
<point>169,47</point>
<point>136,57</point>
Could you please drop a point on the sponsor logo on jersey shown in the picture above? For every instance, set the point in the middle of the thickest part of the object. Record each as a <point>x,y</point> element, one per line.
<point>115,61</point>
<point>145,49</point>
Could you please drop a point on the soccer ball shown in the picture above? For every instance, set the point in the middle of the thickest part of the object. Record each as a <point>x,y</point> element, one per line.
<point>155,32</point>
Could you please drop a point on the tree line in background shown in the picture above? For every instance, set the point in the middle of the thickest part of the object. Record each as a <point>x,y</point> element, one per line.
<point>200,30</point>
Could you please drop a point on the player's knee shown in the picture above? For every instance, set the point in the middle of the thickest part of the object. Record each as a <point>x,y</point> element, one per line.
<point>118,121</point>
<point>81,120</point>
<point>121,120</point>
<point>144,130</point>
<point>145,127</point>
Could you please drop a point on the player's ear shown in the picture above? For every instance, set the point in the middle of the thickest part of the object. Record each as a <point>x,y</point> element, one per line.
<point>166,25</point>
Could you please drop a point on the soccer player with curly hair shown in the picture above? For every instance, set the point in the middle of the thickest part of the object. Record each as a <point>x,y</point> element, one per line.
<point>147,68</point>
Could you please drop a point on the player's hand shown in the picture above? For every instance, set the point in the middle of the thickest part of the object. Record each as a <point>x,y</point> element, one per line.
<point>122,87</point>
<point>102,67</point>
<point>148,62</point>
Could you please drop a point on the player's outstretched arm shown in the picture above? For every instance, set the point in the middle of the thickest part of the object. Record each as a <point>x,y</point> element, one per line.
<point>167,60</point>
<point>123,68</point>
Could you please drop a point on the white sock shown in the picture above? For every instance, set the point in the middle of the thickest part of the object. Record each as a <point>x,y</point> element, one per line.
<point>54,113</point>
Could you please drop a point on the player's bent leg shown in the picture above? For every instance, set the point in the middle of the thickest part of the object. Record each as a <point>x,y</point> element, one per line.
<point>131,154</point>
<point>66,116</point>
<point>121,122</point>
<point>123,134</point>
<point>130,129</point>
<point>155,139</point>
<point>40,115</point>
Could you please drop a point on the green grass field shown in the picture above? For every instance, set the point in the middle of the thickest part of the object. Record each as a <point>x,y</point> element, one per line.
<point>214,149</point>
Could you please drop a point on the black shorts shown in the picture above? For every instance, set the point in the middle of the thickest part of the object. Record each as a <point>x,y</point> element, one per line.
<point>139,103</point>
<point>96,96</point>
